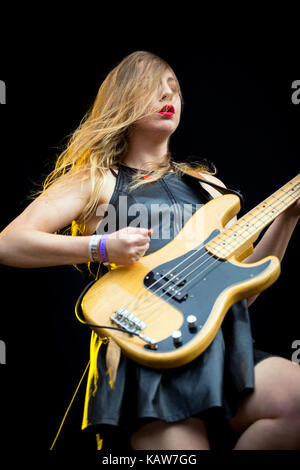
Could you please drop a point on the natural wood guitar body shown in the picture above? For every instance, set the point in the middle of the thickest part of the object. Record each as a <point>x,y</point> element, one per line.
<point>211,284</point>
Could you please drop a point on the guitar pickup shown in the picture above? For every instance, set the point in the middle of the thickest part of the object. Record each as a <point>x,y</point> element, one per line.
<point>174,292</point>
<point>178,281</point>
<point>170,284</point>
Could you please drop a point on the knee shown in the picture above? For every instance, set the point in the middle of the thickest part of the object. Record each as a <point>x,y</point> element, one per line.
<point>292,408</point>
<point>288,405</point>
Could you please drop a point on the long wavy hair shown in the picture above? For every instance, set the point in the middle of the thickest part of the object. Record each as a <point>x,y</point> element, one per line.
<point>101,140</point>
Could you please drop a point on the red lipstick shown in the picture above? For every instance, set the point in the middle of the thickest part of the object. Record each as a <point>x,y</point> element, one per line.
<point>167,110</point>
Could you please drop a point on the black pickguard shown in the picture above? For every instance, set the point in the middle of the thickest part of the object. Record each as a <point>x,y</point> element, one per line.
<point>196,297</point>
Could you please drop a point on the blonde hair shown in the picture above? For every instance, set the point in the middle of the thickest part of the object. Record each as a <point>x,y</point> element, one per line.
<point>101,140</point>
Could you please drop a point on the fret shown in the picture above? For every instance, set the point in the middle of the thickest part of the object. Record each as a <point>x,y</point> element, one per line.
<point>281,202</point>
<point>290,195</point>
<point>257,219</point>
<point>240,235</point>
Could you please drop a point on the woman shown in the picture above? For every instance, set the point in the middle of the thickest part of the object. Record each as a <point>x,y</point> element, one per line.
<point>121,148</point>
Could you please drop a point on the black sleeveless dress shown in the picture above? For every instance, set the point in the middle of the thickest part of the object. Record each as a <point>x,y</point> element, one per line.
<point>210,386</point>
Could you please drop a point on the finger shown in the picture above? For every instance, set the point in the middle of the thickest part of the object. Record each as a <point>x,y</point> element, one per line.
<point>141,241</point>
<point>141,252</point>
<point>142,248</point>
<point>143,231</point>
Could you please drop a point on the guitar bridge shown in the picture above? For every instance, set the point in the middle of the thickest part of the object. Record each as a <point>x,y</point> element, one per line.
<point>128,321</point>
<point>132,325</point>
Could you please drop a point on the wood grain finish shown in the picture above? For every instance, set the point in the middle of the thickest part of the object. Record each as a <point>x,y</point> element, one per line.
<point>123,287</point>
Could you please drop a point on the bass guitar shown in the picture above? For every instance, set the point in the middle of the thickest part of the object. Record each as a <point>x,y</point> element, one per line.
<point>166,309</point>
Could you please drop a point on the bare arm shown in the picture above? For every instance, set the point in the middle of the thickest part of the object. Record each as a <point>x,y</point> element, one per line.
<point>276,238</point>
<point>30,241</point>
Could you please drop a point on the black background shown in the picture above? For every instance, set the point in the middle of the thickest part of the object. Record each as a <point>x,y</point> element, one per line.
<point>238,113</point>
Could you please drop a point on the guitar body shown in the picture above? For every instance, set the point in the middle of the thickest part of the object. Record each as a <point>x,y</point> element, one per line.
<point>179,280</point>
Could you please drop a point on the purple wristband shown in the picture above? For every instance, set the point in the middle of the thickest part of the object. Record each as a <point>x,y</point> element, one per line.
<point>102,244</point>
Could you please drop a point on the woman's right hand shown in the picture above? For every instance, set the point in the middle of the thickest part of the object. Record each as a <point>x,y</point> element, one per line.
<point>128,245</point>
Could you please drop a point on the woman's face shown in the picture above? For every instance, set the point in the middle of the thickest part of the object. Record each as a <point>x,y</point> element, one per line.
<point>167,100</point>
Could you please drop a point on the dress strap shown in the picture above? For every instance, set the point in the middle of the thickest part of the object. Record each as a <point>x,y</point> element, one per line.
<point>113,172</point>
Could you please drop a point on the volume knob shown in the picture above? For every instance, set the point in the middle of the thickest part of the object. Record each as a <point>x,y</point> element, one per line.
<point>192,321</point>
<point>177,337</point>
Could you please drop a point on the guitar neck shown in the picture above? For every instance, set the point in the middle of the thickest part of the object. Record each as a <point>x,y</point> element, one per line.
<point>239,236</point>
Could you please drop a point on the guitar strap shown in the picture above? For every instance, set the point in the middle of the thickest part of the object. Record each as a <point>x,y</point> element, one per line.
<point>220,189</point>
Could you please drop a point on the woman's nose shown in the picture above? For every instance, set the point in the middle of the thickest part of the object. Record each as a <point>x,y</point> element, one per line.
<point>167,93</point>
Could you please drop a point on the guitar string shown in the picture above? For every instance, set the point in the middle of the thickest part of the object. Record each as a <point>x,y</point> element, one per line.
<point>191,280</point>
<point>225,234</point>
<point>153,317</point>
<point>281,201</point>
<point>201,271</point>
<point>163,287</point>
<point>192,272</point>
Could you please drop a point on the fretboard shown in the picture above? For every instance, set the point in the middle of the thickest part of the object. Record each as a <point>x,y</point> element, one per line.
<point>239,236</point>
